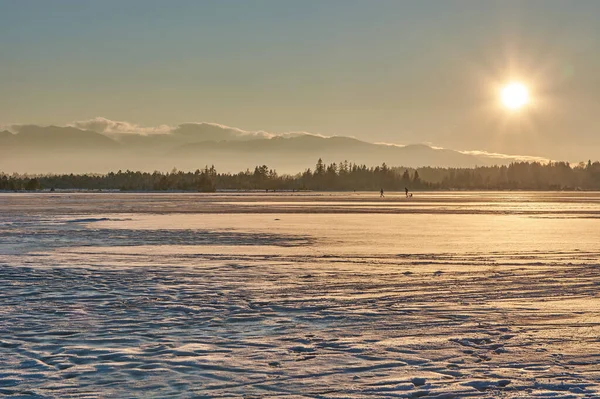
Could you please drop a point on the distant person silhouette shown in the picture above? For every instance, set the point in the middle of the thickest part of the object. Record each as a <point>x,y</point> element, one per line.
<point>406,190</point>
<point>381,193</point>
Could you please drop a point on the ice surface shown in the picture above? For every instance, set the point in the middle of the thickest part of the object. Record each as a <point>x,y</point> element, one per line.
<point>446,295</point>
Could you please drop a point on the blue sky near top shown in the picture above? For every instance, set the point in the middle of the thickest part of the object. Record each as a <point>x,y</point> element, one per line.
<point>393,71</point>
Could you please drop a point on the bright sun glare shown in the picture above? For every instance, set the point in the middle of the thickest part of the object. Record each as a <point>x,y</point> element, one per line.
<point>514,95</point>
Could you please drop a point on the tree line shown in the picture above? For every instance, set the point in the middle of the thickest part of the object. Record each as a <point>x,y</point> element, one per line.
<point>343,176</point>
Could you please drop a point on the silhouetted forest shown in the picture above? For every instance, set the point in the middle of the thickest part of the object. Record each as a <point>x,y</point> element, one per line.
<point>342,176</point>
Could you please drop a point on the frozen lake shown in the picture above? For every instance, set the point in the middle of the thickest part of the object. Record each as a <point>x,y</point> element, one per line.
<point>304,295</point>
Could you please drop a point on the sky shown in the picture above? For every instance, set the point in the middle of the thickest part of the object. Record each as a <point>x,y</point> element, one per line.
<point>423,71</point>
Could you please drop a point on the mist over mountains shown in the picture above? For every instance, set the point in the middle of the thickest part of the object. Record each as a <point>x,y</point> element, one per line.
<point>101,145</point>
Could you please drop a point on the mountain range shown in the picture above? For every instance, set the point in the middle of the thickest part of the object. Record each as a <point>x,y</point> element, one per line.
<point>101,145</point>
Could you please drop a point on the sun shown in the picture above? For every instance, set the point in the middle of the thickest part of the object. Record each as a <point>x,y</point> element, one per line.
<point>514,96</point>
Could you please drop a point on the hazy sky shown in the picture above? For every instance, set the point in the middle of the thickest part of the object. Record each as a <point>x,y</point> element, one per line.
<point>393,71</point>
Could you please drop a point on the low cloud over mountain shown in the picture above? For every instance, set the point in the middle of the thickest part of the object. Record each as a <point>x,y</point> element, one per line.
<point>100,145</point>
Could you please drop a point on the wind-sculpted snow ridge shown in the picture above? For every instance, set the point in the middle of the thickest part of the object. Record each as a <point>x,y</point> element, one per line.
<point>28,235</point>
<point>299,306</point>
